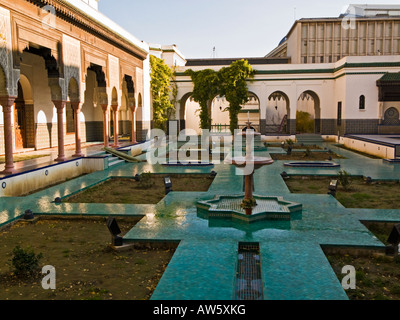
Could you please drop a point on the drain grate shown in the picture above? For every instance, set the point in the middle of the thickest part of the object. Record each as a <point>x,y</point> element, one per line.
<point>248,279</point>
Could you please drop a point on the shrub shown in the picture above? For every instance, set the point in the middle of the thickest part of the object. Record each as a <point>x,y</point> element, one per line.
<point>146,180</point>
<point>307,153</point>
<point>344,179</point>
<point>25,262</point>
<point>289,142</point>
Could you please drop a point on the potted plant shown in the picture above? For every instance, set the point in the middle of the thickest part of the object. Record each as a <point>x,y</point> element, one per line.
<point>248,205</point>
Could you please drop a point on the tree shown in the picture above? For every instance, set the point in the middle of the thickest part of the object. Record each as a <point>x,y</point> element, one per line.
<point>161,76</point>
<point>304,122</point>
<point>233,85</point>
<point>206,87</point>
<point>230,82</point>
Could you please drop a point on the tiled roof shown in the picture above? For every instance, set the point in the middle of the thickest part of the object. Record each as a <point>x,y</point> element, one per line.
<point>391,77</point>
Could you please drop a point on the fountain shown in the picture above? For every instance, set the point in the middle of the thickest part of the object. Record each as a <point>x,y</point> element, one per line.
<point>250,161</point>
<point>248,208</point>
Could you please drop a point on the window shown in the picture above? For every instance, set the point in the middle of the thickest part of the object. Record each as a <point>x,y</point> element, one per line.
<point>362,103</point>
<point>339,116</point>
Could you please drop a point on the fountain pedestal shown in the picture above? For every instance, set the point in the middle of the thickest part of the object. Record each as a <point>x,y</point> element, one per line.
<point>250,208</point>
<point>250,161</point>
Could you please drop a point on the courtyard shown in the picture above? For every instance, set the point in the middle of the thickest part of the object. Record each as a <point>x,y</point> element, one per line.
<point>294,256</point>
<point>291,194</point>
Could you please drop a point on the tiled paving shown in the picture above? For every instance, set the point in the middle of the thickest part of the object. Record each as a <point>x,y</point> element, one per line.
<point>204,266</point>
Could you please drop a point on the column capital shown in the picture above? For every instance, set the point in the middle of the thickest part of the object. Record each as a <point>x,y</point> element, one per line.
<point>59,104</point>
<point>7,102</point>
<point>105,107</point>
<point>115,108</point>
<point>76,105</point>
<point>132,108</point>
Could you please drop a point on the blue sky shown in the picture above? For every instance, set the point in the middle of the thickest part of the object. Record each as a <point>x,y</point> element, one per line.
<point>237,28</point>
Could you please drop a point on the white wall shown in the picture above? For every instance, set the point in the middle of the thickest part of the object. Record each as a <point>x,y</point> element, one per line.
<point>357,85</point>
<point>146,112</point>
<point>193,116</point>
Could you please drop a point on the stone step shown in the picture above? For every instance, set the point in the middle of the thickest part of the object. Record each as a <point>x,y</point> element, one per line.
<point>113,161</point>
<point>309,138</point>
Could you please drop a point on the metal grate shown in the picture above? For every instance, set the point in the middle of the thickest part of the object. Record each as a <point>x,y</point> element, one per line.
<point>248,279</point>
<point>262,205</point>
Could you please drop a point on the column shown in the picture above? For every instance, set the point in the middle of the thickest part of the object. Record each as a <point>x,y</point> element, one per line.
<point>77,106</point>
<point>60,106</point>
<point>133,134</point>
<point>116,126</point>
<point>106,112</point>
<point>7,103</point>
<point>248,187</point>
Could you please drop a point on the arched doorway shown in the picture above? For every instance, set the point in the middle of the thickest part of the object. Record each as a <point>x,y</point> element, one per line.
<point>220,115</point>
<point>91,109</point>
<point>391,117</point>
<point>114,102</point>
<point>189,114</point>
<point>308,117</point>
<point>24,116</point>
<point>124,116</point>
<point>278,113</point>
<point>140,136</point>
<point>250,111</point>
<point>73,96</point>
<point>192,116</point>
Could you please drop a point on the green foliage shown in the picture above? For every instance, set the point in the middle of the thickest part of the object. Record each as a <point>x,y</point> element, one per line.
<point>248,203</point>
<point>230,82</point>
<point>174,94</point>
<point>161,76</point>
<point>344,179</point>
<point>233,85</point>
<point>25,262</point>
<point>304,122</point>
<point>146,180</point>
<point>206,87</point>
<point>307,153</point>
<point>289,142</point>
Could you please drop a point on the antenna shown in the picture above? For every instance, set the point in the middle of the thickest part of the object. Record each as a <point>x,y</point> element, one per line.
<point>214,53</point>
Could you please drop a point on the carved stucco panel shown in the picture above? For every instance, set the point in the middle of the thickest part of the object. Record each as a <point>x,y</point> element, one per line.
<point>72,61</point>
<point>8,83</point>
<point>114,76</point>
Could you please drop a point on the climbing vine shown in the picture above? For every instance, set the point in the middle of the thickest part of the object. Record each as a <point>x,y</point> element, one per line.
<point>206,87</point>
<point>233,85</point>
<point>161,76</point>
<point>230,82</point>
<point>174,94</point>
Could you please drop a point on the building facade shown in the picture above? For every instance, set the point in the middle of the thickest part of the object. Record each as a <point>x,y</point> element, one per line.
<point>346,97</point>
<point>342,71</point>
<point>361,31</point>
<point>68,75</point>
